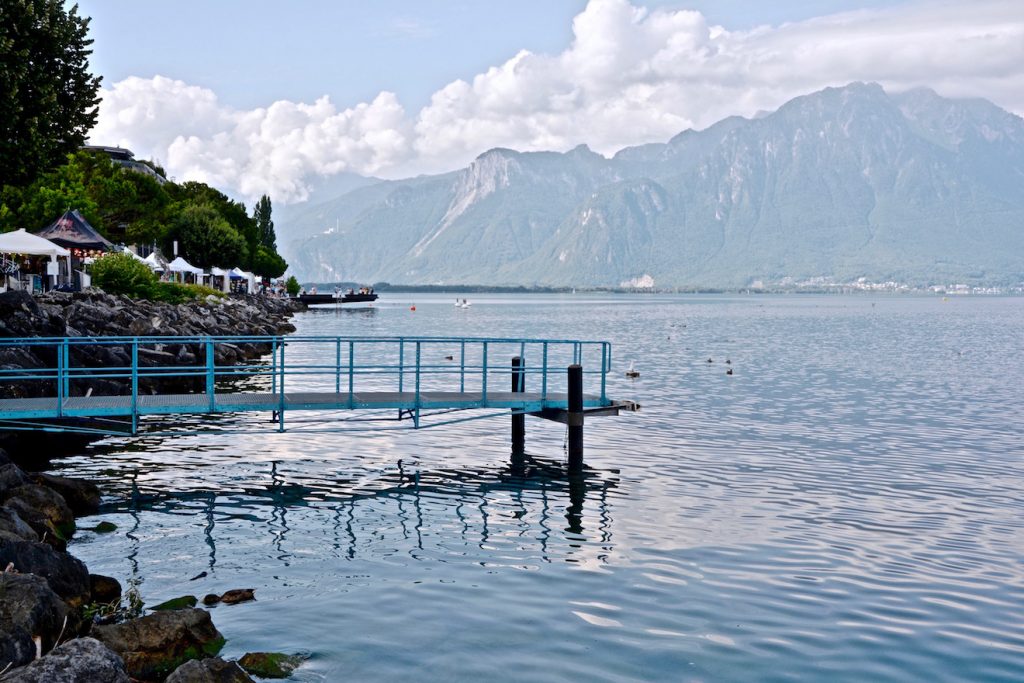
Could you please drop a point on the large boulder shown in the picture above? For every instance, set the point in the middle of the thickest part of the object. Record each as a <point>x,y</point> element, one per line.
<point>83,660</point>
<point>104,589</point>
<point>13,527</point>
<point>213,670</point>
<point>47,502</point>
<point>11,477</point>
<point>66,575</point>
<point>82,496</point>
<point>155,645</point>
<point>28,607</point>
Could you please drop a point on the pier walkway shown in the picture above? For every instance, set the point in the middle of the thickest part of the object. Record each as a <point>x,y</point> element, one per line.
<point>107,384</point>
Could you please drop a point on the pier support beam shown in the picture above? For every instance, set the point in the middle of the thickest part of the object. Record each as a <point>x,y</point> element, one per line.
<point>575,418</point>
<point>518,419</point>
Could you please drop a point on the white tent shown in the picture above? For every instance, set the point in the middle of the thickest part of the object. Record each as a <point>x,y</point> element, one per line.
<point>22,242</point>
<point>180,265</point>
<point>238,273</point>
<point>153,262</point>
<point>225,276</point>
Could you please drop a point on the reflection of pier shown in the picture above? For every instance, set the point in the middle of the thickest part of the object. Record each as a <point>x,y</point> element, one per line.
<point>424,380</point>
<point>538,490</point>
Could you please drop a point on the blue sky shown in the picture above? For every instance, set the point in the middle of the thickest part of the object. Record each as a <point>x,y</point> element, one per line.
<point>261,96</point>
<point>252,52</point>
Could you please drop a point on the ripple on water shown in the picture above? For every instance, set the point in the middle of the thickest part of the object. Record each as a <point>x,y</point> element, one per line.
<point>847,505</point>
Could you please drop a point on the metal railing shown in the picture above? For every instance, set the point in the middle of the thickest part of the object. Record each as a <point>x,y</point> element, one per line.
<point>219,366</point>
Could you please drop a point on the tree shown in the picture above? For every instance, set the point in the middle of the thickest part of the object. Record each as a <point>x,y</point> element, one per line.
<point>291,285</point>
<point>264,224</point>
<point>268,263</point>
<point>204,237</point>
<point>49,99</point>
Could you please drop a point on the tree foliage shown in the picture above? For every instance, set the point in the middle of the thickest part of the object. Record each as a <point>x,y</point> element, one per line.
<point>261,214</point>
<point>49,99</point>
<point>292,286</point>
<point>205,237</point>
<point>268,263</point>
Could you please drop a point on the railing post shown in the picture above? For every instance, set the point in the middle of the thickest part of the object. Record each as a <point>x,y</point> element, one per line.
<point>280,392</point>
<point>210,397</point>
<point>462,367</point>
<point>483,383</point>
<point>518,416</point>
<point>337,366</point>
<point>401,365</point>
<point>273,367</point>
<point>60,377</point>
<point>135,385</point>
<point>416,415</point>
<point>351,373</point>
<point>574,415</point>
<point>604,372</point>
<point>67,368</point>
<point>544,375</point>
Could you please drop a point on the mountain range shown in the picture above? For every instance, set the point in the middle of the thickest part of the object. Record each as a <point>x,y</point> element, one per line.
<point>845,183</point>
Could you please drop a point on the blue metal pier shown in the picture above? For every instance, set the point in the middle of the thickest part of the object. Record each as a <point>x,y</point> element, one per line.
<point>84,384</point>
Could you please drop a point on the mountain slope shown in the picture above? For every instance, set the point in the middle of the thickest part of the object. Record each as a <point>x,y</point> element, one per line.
<point>844,183</point>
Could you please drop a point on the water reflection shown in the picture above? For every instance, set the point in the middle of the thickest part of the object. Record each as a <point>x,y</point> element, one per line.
<point>485,507</point>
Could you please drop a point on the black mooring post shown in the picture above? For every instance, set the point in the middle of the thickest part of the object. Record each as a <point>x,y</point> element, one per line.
<point>518,419</point>
<point>575,418</point>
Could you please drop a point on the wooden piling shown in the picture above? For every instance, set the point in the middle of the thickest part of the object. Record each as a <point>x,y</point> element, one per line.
<point>518,418</point>
<point>575,418</point>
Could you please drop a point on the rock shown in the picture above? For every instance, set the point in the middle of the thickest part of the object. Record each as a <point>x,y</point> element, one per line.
<point>48,503</point>
<point>28,608</point>
<point>183,602</point>
<point>157,644</point>
<point>66,575</point>
<point>83,660</point>
<point>270,664</point>
<point>11,477</point>
<point>39,523</point>
<point>104,589</point>
<point>104,528</point>
<point>12,524</point>
<point>238,595</point>
<point>81,495</point>
<point>213,670</point>
<point>4,458</point>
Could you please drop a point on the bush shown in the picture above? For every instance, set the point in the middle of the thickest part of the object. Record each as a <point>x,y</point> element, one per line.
<point>120,273</point>
<point>177,293</point>
<point>292,286</point>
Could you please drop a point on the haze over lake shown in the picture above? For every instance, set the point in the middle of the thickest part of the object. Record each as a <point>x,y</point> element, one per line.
<point>846,506</point>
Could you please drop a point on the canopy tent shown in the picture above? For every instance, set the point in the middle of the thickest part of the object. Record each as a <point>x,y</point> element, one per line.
<point>155,262</point>
<point>225,276</point>
<point>23,242</point>
<point>180,265</point>
<point>239,274</point>
<point>74,232</point>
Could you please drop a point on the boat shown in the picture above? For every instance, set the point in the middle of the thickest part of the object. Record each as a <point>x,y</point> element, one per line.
<point>365,295</point>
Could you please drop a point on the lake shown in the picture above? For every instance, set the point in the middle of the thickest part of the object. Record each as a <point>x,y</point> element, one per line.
<point>848,505</point>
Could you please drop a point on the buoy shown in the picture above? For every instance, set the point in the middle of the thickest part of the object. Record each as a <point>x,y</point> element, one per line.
<point>412,308</point>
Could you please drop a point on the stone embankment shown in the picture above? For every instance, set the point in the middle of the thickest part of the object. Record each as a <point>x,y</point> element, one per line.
<point>58,622</point>
<point>95,314</point>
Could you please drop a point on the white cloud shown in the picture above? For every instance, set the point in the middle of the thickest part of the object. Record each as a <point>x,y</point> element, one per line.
<point>630,76</point>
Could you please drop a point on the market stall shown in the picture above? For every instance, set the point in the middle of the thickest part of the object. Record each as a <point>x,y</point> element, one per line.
<point>27,270</point>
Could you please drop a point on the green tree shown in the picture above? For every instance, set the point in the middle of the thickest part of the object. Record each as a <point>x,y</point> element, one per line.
<point>268,263</point>
<point>49,99</point>
<point>264,223</point>
<point>291,285</point>
<point>205,238</point>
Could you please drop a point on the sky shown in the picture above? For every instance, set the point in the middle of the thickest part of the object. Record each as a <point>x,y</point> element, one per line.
<point>261,97</point>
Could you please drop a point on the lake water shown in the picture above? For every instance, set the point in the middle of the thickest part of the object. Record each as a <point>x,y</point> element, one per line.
<point>847,506</point>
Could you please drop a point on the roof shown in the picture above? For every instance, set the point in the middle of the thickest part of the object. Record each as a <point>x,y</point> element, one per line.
<point>74,232</point>
<point>22,242</point>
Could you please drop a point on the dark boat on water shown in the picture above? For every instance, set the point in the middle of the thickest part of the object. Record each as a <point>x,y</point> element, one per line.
<point>365,296</point>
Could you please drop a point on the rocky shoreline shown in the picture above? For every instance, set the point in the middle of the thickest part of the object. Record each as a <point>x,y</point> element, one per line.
<point>58,622</point>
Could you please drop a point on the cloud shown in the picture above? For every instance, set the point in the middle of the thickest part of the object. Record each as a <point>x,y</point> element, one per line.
<point>629,76</point>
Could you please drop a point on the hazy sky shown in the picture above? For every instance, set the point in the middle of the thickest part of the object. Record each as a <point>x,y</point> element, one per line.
<point>260,96</point>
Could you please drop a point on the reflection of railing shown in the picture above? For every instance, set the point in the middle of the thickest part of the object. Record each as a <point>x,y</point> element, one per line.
<point>101,376</point>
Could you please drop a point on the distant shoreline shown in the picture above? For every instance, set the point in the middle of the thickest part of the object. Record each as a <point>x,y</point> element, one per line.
<point>382,287</point>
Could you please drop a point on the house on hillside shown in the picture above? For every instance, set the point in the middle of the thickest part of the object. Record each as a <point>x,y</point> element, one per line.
<point>126,158</point>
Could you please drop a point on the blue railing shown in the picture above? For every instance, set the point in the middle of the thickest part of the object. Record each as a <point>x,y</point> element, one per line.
<point>216,367</point>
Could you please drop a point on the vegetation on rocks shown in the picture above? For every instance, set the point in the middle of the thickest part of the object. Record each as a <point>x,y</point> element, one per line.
<point>120,273</point>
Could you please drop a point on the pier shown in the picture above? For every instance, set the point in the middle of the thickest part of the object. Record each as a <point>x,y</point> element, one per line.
<point>122,385</point>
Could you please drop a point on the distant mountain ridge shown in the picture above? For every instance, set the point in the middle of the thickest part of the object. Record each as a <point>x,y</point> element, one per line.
<point>843,183</point>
